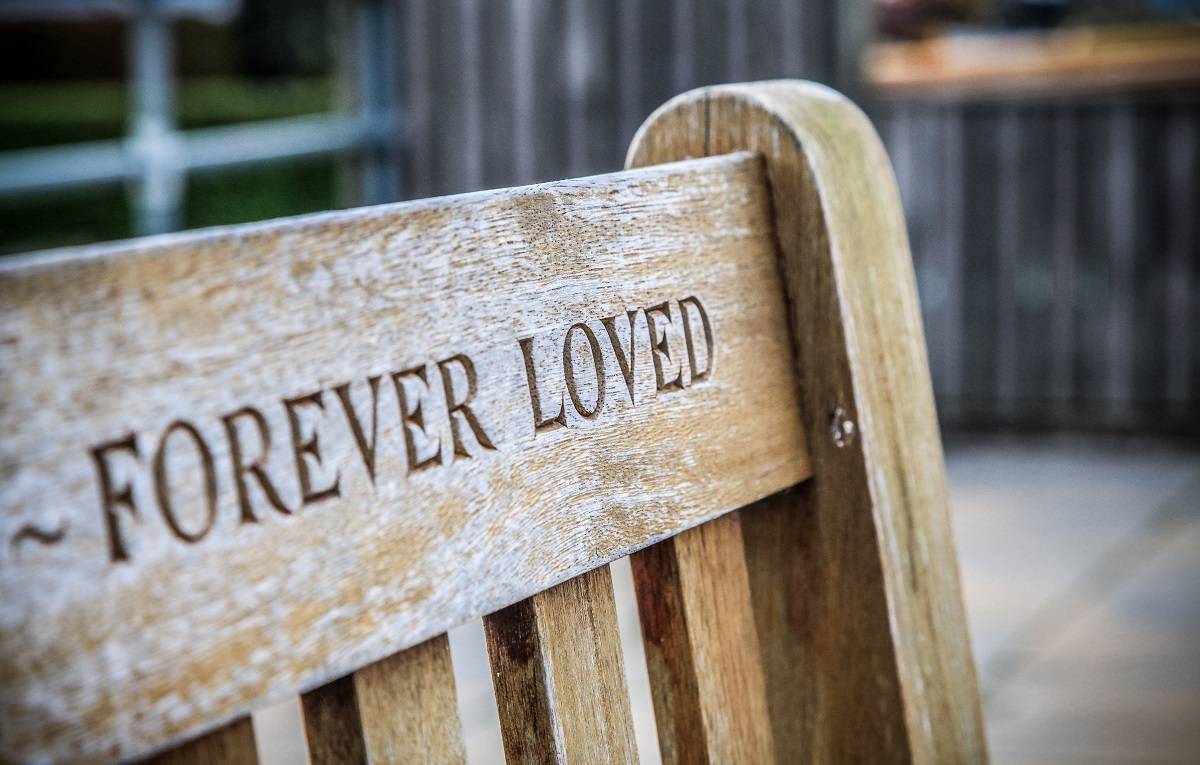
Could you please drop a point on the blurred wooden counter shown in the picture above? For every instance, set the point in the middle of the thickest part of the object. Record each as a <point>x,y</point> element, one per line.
<point>1068,61</point>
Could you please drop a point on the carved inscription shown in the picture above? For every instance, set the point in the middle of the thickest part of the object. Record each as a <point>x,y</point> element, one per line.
<point>569,377</point>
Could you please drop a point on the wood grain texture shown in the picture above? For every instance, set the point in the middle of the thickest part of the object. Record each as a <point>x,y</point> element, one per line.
<point>401,709</point>
<point>232,744</point>
<point>854,575</point>
<point>408,707</point>
<point>332,725</point>
<point>237,463</point>
<point>706,676</point>
<point>559,676</point>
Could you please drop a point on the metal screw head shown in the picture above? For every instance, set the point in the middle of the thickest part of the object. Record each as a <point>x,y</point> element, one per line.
<point>842,428</point>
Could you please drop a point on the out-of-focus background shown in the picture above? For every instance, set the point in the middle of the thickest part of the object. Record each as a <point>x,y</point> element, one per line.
<point>1047,152</point>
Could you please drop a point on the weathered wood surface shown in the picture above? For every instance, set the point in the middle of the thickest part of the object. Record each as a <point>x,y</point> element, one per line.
<point>333,729</point>
<point>402,709</point>
<point>559,676</point>
<point>241,463</point>
<point>702,653</point>
<point>853,575</point>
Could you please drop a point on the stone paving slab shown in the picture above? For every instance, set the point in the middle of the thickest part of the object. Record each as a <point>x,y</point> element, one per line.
<point>1081,572</point>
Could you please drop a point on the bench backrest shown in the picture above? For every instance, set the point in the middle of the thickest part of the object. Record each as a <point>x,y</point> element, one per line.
<point>287,457</point>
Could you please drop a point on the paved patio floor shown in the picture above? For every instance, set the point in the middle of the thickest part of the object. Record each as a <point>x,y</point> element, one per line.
<point>1081,574</point>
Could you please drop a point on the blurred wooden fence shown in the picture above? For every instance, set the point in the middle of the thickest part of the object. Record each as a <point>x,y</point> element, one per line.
<point>519,91</point>
<point>1056,243</point>
<point>1058,254</point>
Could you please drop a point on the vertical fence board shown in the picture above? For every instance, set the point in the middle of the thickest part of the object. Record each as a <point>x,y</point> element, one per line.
<point>979,263</point>
<point>604,147</point>
<point>738,40</point>
<point>523,84</point>
<point>450,85</point>
<point>577,54</point>
<point>1032,277</point>
<point>793,40</point>
<point>1183,280</point>
<point>928,201</point>
<point>1189,242</point>
<point>1064,212</point>
<point>471,41</point>
<point>655,43</point>
<point>417,96</point>
<point>949,347</point>
<point>549,89</point>
<point>498,63</point>
<point>767,33</point>
<point>1008,126</point>
<point>1092,259</point>
<point>682,26</point>
<point>1121,231</point>
<point>709,43</point>
<point>815,39</point>
<point>1149,197</point>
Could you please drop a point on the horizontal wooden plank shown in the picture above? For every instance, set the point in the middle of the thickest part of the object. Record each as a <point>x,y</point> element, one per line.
<point>243,462</point>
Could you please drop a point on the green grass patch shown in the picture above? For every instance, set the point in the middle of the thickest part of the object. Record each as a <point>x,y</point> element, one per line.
<point>46,114</point>
<point>63,113</point>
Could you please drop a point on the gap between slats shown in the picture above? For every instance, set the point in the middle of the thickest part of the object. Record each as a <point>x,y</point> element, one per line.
<point>279,727</point>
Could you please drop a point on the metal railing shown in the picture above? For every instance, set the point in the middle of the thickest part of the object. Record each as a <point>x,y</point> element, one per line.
<point>156,157</point>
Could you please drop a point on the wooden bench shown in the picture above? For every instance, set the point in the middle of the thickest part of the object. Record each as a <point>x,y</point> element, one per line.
<point>287,457</point>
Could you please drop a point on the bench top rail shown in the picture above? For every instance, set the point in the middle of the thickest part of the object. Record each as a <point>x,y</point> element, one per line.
<point>244,462</point>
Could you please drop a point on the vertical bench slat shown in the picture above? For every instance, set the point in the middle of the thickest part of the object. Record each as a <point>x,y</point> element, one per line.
<point>702,651</point>
<point>780,536</point>
<point>559,675</point>
<point>331,723</point>
<point>398,710</point>
<point>230,745</point>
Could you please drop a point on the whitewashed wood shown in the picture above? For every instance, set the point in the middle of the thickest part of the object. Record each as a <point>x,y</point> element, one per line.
<point>103,659</point>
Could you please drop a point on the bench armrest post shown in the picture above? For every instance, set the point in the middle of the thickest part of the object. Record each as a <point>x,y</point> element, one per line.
<point>854,576</point>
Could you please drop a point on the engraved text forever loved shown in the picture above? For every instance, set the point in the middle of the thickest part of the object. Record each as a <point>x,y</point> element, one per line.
<point>567,374</point>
